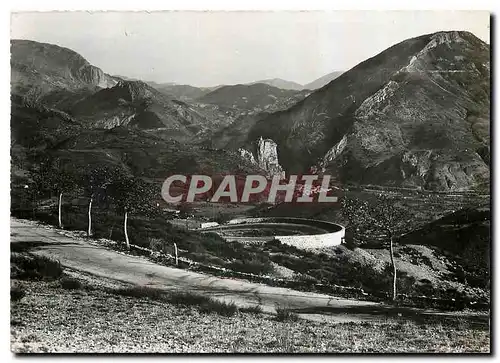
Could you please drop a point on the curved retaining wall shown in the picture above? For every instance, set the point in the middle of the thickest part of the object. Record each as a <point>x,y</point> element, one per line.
<point>332,236</point>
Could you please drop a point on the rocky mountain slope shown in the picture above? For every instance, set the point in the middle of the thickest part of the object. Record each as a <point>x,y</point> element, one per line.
<point>466,236</point>
<point>59,79</point>
<point>47,73</point>
<point>136,104</point>
<point>146,154</point>
<point>182,92</point>
<point>416,115</point>
<point>225,105</point>
<point>233,136</point>
<point>241,106</point>
<point>63,106</point>
<point>323,81</point>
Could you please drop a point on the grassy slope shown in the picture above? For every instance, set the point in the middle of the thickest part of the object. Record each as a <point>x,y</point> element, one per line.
<point>52,319</point>
<point>448,253</point>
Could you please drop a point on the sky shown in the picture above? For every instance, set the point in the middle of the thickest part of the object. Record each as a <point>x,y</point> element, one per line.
<point>212,48</point>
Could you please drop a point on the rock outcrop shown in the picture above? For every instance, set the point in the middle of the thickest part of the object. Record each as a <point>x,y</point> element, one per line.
<point>332,154</point>
<point>95,76</point>
<point>267,157</point>
<point>247,155</point>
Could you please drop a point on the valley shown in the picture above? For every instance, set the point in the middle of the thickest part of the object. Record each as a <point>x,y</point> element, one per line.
<point>405,136</point>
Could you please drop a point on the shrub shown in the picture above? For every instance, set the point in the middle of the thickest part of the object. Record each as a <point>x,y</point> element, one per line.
<point>219,307</point>
<point>255,309</point>
<point>69,283</point>
<point>323,275</point>
<point>205,258</point>
<point>221,218</point>
<point>36,267</point>
<point>187,298</point>
<point>205,304</point>
<point>140,292</point>
<point>156,244</point>
<point>292,262</point>
<point>285,314</point>
<point>276,245</point>
<point>251,266</point>
<point>17,293</point>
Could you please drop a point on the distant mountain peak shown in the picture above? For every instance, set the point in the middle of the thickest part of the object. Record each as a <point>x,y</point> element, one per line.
<point>322,81</point>
<point>281,83</point>
<point>256,97</point>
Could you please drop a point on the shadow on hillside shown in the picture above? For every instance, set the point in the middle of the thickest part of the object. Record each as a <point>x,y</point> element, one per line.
<point>25,246</point>
<point>419,316</point>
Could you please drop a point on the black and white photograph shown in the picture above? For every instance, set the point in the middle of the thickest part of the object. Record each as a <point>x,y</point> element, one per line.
<point>250,182</point>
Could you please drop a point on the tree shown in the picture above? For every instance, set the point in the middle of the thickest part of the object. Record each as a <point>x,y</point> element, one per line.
<point>37,186</point>
<point>132,195</point>
<point>61,181</point>
<point>51,175</point>
<point>32,192</point>
<point>95,182</point>
<point>381,219</point>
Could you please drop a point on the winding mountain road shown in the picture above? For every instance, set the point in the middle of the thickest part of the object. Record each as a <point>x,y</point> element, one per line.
<point>80,255</point>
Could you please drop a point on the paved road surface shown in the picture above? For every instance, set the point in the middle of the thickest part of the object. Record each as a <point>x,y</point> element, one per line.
<point>79,255</point>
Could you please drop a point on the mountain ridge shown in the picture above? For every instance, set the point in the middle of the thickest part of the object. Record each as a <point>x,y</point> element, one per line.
<point>323,80</point>
<point>248,96</point>
<point>60,79</point>
<point>385,120</point>
<point>281,83</point>
<point>44,67</point>
<point>60,109</point>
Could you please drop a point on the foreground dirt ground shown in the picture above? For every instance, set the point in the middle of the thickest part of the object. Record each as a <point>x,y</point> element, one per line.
<point>52,319</point>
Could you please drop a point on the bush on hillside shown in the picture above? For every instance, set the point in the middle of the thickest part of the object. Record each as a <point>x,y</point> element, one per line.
<point>35,267</point>
<point>17,293</point>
